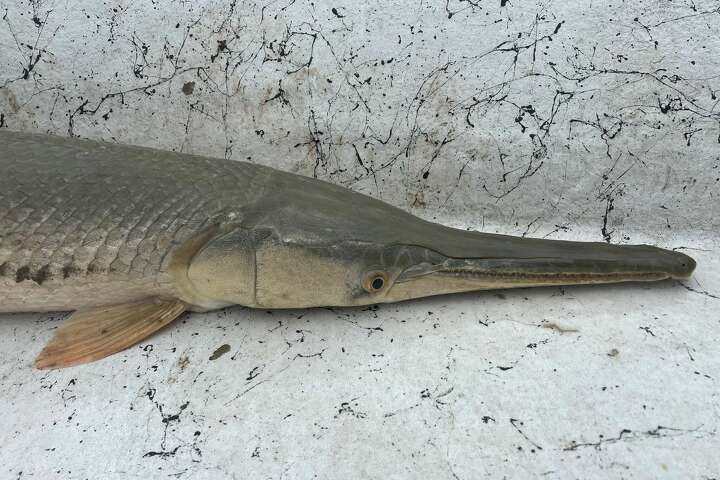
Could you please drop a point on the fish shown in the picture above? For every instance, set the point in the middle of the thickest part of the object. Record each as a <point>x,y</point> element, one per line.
<point>129,238</point>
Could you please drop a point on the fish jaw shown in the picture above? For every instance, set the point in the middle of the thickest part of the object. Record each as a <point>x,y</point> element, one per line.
<point>534,263</point>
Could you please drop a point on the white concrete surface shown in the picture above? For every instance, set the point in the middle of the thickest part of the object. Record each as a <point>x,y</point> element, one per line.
<point>578,120</point>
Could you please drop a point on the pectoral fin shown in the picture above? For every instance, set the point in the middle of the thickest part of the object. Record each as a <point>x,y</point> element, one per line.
<point>93,334</point>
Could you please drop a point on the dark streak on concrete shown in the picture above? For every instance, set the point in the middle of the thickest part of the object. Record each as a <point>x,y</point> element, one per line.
<point>220,351</point>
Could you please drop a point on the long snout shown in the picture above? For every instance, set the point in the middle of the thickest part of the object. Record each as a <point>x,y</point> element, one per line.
<point>524,257</point>
<point>480,261</point>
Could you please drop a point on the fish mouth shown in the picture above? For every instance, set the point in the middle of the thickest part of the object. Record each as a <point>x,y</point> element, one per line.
<point>510,262</point>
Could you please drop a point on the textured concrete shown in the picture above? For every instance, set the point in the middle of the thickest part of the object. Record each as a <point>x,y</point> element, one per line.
<point>577,120</point>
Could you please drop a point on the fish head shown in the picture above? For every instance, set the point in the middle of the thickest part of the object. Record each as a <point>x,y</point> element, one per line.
<point>321,245</point>
<point>352,273</point>
<point>350,250</point>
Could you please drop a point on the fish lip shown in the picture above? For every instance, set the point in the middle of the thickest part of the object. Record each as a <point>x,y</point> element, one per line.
<point>559,276</point>
<point>514,269</point>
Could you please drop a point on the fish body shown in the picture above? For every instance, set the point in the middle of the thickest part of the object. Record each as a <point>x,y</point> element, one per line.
<point>84,224</point>
<point>127,236</point>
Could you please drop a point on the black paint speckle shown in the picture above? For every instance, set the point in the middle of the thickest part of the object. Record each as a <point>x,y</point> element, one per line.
<point>188,88</point>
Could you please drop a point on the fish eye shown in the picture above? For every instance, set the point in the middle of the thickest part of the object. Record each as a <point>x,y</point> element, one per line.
<point>375,282</point>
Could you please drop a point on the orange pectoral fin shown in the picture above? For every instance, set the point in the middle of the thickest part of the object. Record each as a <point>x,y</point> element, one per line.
<point>93,334</point>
